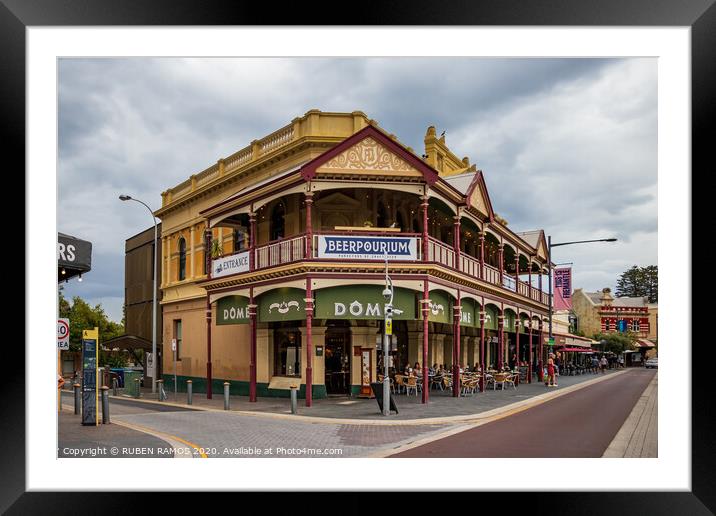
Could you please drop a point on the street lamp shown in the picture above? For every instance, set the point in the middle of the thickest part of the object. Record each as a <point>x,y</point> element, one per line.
<point>550,245</point>
<point>154,293</point>
<point>388,296</point>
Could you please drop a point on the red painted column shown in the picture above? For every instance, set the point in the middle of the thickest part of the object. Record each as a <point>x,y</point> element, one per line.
<point>425,307</point>
<point>482,255</point>
<point>530,279</point>
<point>482,347</point>
<point>541,354</point>
<point>456,242</point>
<point>517,273</point>
<point>456,348</point>
<point>501,339</point>
<point>424,206</point>
<point>539,280</point>
<point>309,226</point>
<point>309,344</point>
<point>252,364</point>
<point>252,241</point>
<point>500,258</point>
<point>207,257</point>
<point>529,357</point>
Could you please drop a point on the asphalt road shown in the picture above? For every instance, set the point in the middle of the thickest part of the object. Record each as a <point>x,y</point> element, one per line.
<point>578,424</point>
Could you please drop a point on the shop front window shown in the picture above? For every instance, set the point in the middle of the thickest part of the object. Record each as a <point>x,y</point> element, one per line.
<point>287,352</point>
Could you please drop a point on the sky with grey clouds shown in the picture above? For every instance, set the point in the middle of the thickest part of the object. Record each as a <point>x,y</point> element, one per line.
<point>567,145</point>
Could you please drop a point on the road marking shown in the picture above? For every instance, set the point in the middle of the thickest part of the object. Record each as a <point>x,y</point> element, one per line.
<point>162,435</point>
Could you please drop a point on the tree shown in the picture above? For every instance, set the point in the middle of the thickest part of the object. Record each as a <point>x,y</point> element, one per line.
<point>84,317</point>
<point>639,282</point>
<point>616,342</point>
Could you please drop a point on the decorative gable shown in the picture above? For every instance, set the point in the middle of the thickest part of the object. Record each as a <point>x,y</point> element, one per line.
<point>477,197</point>
<point>367,156</point>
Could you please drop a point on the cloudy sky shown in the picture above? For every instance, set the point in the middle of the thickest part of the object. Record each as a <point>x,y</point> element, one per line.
<point>567,145</point>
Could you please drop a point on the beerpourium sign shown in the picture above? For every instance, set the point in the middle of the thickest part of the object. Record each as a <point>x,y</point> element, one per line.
<point>367,247</point>
<point>229,265</point>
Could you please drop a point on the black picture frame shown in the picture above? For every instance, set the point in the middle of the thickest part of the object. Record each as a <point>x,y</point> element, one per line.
<point>699,15</point>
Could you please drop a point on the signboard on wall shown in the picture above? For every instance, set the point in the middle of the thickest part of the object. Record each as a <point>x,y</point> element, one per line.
<point>440,309</point>
<point>229,265</point>
<point>363,302</point>
<point>367,247</point>
<point>282,304</point>
<point>469,312</point>
<point>232,310</point>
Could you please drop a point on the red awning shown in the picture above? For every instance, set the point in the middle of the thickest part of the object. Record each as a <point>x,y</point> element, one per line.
<point>643,343</point>
<point>578,350</point>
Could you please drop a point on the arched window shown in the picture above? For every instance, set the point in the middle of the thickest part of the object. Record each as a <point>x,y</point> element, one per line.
<point>182,259</point>
<point>278,221</point>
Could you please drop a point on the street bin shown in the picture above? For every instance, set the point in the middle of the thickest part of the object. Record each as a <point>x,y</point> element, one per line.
<point>130,386</point>
<point>119,375</point>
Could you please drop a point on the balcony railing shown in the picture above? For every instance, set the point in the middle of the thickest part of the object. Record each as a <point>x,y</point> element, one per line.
<point>280,252</point>
<point>440,253</point>
<point>294,249</point>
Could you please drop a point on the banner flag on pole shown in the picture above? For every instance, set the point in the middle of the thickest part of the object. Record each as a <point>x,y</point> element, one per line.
<point>563,289</point>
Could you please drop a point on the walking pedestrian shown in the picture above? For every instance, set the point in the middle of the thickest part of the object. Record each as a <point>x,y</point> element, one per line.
<point>603,364</point>
<point>550,372</point>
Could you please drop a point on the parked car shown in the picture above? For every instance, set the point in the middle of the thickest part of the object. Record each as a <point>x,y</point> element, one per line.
<point>652,362</point>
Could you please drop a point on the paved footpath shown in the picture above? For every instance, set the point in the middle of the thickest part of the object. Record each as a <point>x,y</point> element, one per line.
<point>336,427</point>
<point>638,435</point>
<point>582,423</point>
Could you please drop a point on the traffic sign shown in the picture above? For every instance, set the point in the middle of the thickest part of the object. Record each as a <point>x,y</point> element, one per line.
<point>174,344</point>
<point>63,334</point>
<point>551,341</point>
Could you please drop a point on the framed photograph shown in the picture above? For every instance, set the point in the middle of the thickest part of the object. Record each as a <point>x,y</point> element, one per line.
<point>312,190</point>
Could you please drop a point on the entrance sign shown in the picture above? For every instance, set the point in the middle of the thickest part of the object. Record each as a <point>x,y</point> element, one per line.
<point>232,310</point>
<point>229,265</point>
<point>63,334</point>
<point>367,247</point>
<point>90,389</point>
<point>363,302</point>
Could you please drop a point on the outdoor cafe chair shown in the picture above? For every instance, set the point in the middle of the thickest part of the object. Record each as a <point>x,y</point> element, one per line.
<point>399,382</point>
<point>411,385</point>
<point>436,380</point>
<point>499,378</point>
<point>510,379</point>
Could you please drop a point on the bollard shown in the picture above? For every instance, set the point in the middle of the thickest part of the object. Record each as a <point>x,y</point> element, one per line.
<point>189,392</point>
<point>77,398</point>
<point>136,380</point>
<point>161,395</point>
<point>105,405</point>
<point>294,399</point>
<point>226,395</point>
<point>115,384</point>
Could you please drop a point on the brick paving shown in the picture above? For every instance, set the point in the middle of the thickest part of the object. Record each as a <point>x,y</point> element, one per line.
<point>441,403</point>
<point>226,434</point>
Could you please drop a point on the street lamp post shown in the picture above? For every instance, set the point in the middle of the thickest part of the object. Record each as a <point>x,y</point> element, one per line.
<point>550,245</point>
<point>154,293</point>
<point>388,295</point>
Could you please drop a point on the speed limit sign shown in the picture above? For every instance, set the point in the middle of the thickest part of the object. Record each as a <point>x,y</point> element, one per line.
<point>63,334</point>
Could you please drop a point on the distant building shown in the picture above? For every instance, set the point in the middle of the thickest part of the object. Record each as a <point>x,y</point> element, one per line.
<point>600,312</point>
<point>138,298</point>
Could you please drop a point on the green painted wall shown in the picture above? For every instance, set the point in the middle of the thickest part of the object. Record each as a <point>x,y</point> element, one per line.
<point>239,388</point>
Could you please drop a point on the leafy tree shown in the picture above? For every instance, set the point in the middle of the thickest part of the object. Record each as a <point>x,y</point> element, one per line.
<point>82,317</point>
<point>616,342</point>
<point>639,282</point>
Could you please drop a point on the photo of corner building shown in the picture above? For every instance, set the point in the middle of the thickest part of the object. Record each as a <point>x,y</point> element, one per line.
<point>273,264</point>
